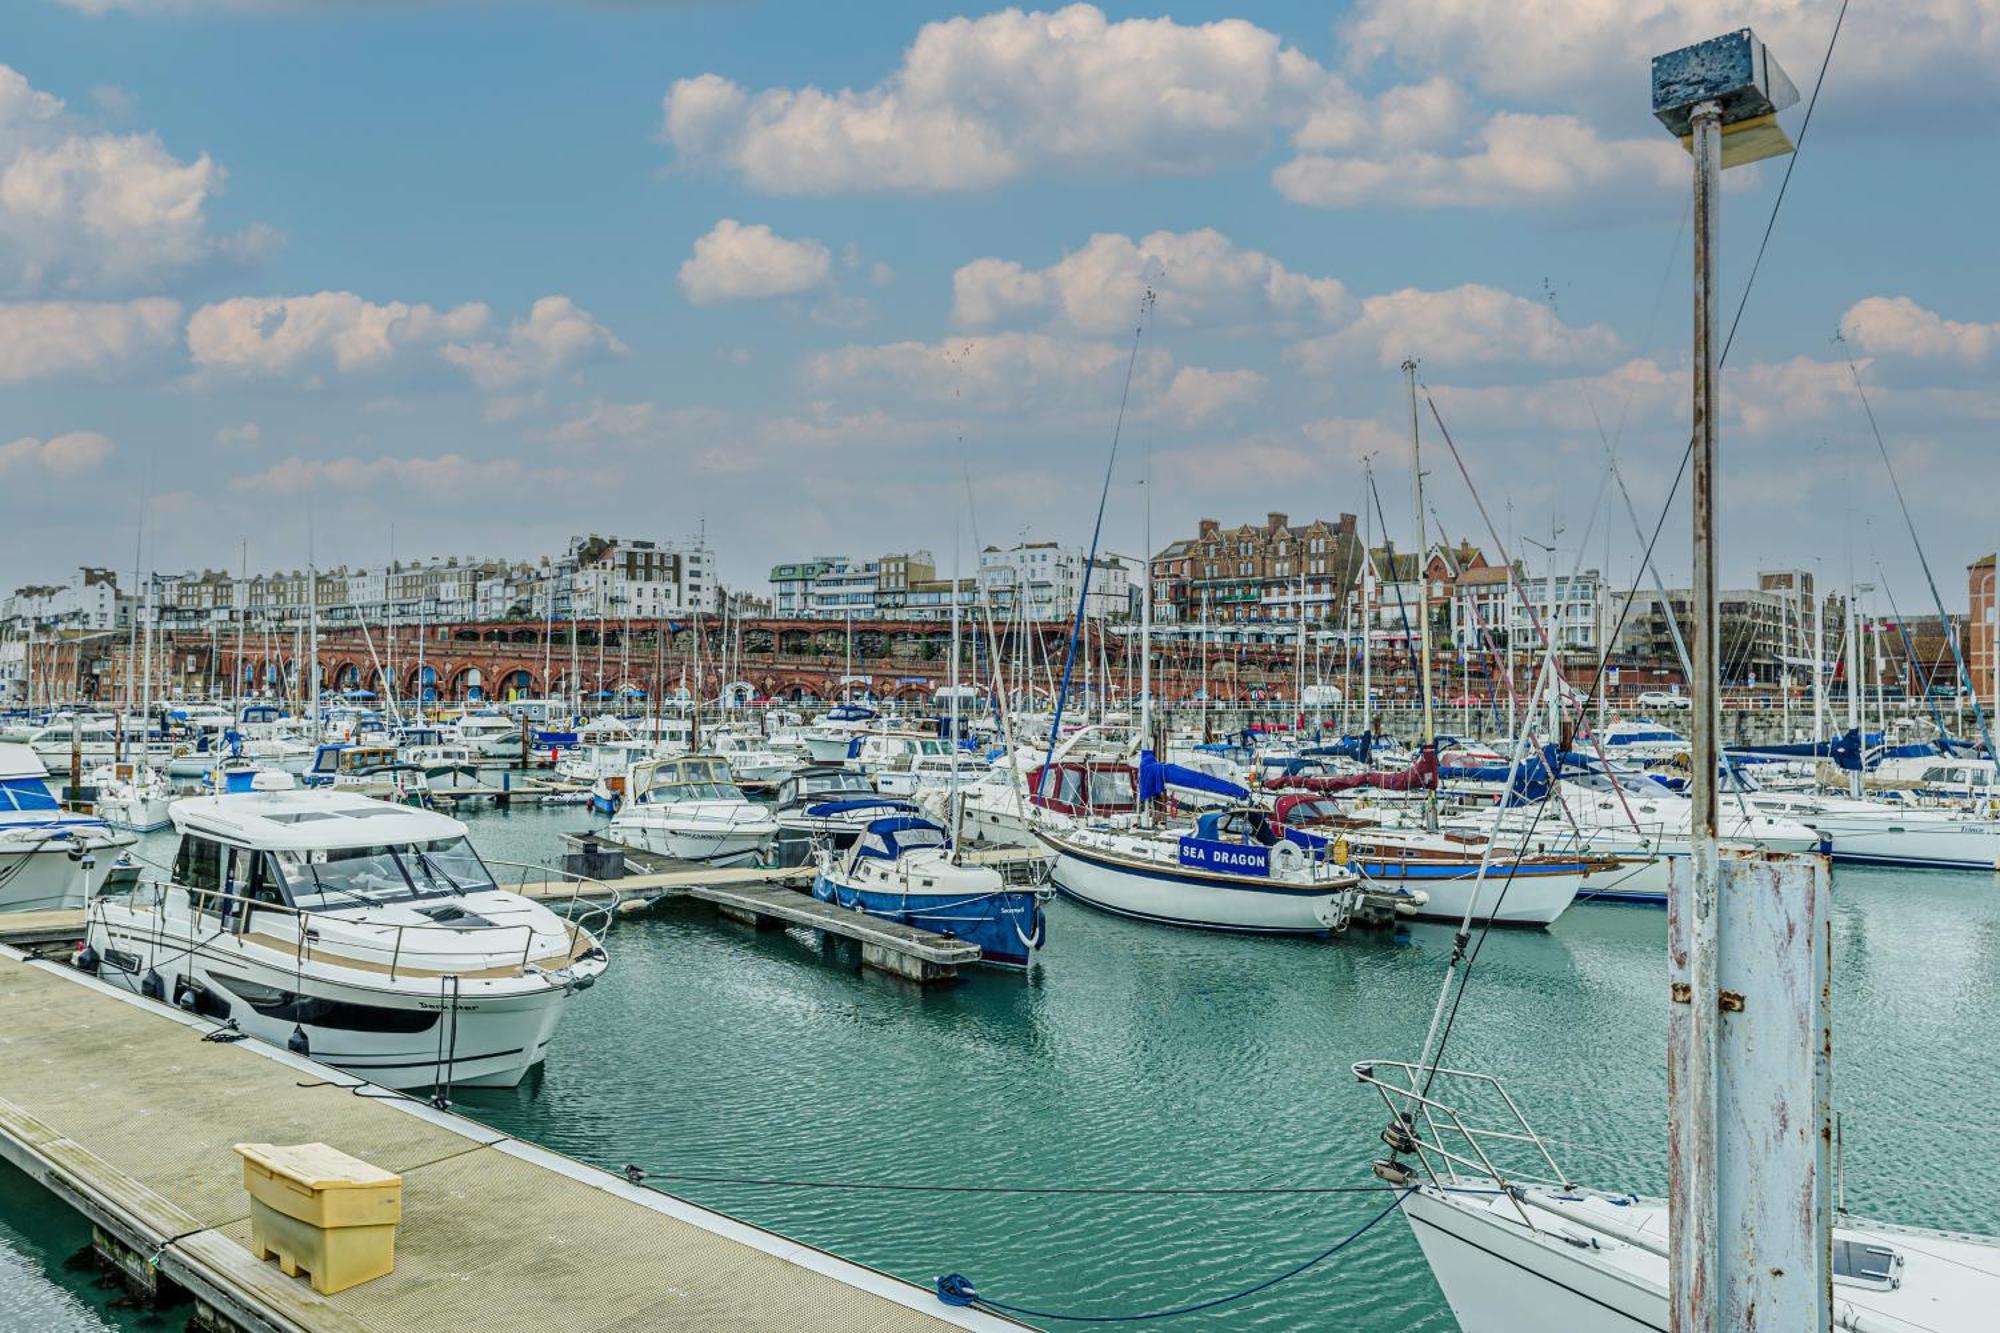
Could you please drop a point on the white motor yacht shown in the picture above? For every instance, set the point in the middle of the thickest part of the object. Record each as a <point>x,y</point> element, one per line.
<point>490,736</point>
<point>689,808</point>
<point>49,858</point>
<point>366,935</point>
<point>132,795</point>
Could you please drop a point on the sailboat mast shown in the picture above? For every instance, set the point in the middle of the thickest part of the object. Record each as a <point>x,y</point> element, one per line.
<point>1146,631</point>
<point>1367,612</point>
<point>1423,586</point>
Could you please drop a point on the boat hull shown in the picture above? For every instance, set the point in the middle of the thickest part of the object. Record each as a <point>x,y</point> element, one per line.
<point>1007,926</point>
<point>1501,1278</point>
<point>1517,897</point>
<point>397,1037</point>
<point>48,879</point>
<point>1156,893</point>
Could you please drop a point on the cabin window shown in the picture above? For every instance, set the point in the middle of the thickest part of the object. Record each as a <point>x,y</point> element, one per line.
<point>1113,788</point>
<point>198,865</point>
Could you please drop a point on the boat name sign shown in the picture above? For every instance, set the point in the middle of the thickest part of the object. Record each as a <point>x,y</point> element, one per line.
<point>1229,857</point>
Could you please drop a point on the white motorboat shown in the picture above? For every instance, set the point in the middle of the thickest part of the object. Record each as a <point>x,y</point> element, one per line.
<point>689,808</point>
<point>1232,871</point>
<point>49,857</point>
<point>369,936</point>
<point>753,760</point>
<point>1515,1243</point>
<point>490,736</point>
<point>833,737</point>
<point>437,755</point>
<point>131,795</point>
<point>822,805</point>
<point>1641,824</point>
<point>97,739</point>
<point>1889,833</point>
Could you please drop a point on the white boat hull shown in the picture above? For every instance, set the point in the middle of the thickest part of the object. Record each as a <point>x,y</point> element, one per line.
<point>47,879</point>
<point>1501,1278</point>
<point>1153,893</point>
<point>481,1041</point>
<point>1527,900</point>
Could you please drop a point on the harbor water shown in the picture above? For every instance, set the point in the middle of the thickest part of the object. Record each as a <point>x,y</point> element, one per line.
<point>732,1065</point>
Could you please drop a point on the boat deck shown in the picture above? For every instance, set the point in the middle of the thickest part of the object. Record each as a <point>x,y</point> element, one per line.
<point>120,1108</point>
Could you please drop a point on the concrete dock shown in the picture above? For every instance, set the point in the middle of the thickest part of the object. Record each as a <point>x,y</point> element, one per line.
<point>118,1106</point>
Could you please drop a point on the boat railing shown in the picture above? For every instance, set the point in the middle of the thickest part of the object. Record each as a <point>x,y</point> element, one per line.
<point>1492,1142</point>
<point>234,912</point>
<point>585,892</point>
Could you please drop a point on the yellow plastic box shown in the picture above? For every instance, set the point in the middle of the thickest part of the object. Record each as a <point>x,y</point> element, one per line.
<point>313,1207</point>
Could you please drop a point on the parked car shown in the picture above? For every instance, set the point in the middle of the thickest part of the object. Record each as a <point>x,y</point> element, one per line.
<point>1664,699</point>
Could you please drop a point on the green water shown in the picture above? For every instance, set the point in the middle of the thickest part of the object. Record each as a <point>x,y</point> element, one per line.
<point>1141,1055</point>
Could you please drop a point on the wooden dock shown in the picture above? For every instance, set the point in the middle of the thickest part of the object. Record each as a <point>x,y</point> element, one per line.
<point>772,899</point>
<point>120,1109</point>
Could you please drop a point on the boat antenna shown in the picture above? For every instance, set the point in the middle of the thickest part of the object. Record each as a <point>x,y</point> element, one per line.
<point>1110,461</point>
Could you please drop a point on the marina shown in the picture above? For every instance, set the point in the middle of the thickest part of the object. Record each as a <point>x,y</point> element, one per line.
<point>959,880</point>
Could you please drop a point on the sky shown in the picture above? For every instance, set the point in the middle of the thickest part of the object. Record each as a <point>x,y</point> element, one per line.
<point>432,277</point>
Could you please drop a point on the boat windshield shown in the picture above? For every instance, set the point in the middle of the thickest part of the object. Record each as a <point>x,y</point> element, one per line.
<point>327,879</point>
<point>1306,811</point>
<point>691,791</point>
<point>818,784</point>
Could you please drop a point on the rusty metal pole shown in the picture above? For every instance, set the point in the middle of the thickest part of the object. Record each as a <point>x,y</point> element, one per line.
<point>1691,1091</point>
<point>1749,941</point>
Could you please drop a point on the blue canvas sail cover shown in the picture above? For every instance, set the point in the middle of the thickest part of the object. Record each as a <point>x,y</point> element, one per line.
<point>1155,777</point>
<point>1532,783</point>
<point>825,808</point>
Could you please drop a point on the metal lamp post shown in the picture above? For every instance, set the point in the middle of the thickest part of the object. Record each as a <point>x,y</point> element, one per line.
<point>1749,1034</point>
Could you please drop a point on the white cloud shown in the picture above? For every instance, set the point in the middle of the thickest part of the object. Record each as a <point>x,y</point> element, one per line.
<point>1195,395</point>
<point>1898,326</point>
<point>83,210</point>
<point>1472,324</point>
<point>602,421</point>
<point>273,335</point>
<point>59,455</point>
<point>44,338</point>
<point>232,437</point>
<point>1599,49</point>
<point>1201,277</point>
<point>1638,392</point>
<point>1002,371</point>
<point>735,262</point>
<point>556,336</point>
<point>978,101</point>
<point>1514,159</point>
<point>447,476</point>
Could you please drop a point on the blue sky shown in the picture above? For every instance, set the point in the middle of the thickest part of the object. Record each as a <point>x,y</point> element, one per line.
<point>490,274</point>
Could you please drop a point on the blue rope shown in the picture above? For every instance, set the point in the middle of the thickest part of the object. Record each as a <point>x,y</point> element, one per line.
<point>957,1289</point>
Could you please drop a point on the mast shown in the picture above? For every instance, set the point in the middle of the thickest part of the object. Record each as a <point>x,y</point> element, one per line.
<point>312,632</point>
<point>953,806</point>
<point>1146,614</point>
<point>146,697</point>
<point>1854,684</point>
<point>1299,623</point>
<point>1429,740</point>
<point>1819,662</point>
<point>1367,612</point>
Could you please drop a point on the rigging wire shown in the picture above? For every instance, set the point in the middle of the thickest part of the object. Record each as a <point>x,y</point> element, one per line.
<point>1742,304</point>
